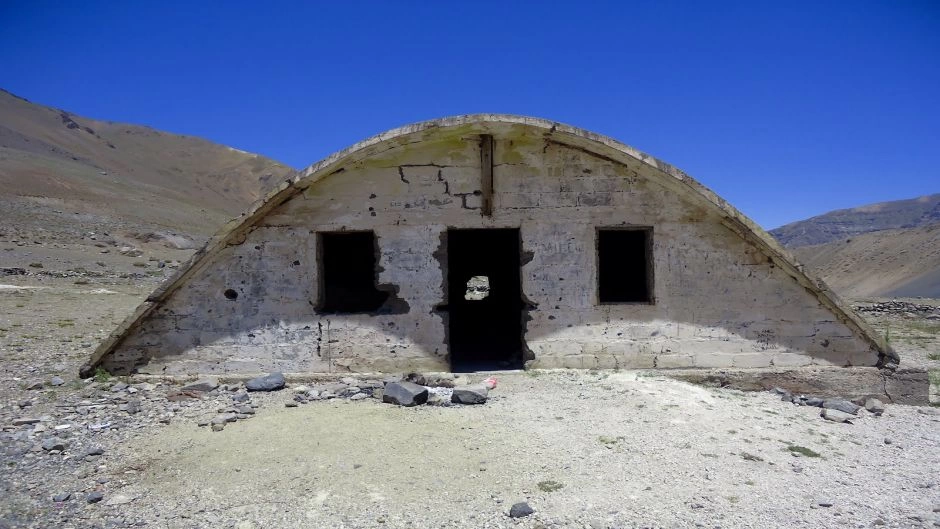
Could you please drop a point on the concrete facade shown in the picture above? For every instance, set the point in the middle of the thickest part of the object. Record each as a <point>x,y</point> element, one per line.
<point>724,293</point>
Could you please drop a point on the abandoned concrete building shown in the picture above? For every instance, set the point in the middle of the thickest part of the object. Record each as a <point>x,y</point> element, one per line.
<point>483,242</point>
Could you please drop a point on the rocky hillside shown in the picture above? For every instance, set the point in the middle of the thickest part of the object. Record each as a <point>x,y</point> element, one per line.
<point>903,262</point>
<point>59,170</point>
<point>845,223</point>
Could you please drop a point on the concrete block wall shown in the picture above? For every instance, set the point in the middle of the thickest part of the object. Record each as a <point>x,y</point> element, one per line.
<point>719,302</point>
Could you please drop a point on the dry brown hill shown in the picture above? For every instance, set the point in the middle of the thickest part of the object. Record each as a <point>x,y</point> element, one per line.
<point>903,262</point>
<point>59,170</point>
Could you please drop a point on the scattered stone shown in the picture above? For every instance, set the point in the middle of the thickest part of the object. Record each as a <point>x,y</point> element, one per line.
<point>841,405</point>
<point>35,385</point>
<point>119,499</point>
<point>290,404</point>
<point>405,394</point>
<point>888,441</point>
<point>928,411</point>
<point>814,401</point>
<point>874,406</point>
<point>301,389</point>
<point>25,420</point>
<point>836,416</point>
<point>223,418</point>
<point>120,386</point>
<point>520,510</point>
<point>824,503</point>
<point>469,395</point>
<point>94,497</point>
<point>218,427</point>
<point>245,410</point>
<point>271,382</point>
<point>62,496</point>
<point>204,385</point>
<point>359,396</point>
<point>241,396</point>
<point>94,451</point>
<point>132,407</point>
<point>54,443</point>
<point>56,381</point>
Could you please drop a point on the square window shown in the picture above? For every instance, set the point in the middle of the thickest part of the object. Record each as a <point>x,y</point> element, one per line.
<point>625,265</point>
<point>347,273</point>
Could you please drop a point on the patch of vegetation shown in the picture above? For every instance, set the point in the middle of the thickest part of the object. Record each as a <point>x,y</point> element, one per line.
<point>610,442</point>
<point>933,356</point>
<point>35,265</point>
<point>549,485</point>
<point>803,451</point>
<point>749,482</point>
<point>66,323</point>
<point>751,457</point>
<point>101,375</point>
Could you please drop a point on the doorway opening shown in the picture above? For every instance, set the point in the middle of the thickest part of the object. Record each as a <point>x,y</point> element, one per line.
<point>484,293</point>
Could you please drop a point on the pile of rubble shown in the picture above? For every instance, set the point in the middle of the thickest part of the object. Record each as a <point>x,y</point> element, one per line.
<point>900,308</point>
<point>835,410</point>
<point>413,390</point>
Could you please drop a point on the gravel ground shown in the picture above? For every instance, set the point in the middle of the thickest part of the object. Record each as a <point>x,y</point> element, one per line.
<point>583,449</point>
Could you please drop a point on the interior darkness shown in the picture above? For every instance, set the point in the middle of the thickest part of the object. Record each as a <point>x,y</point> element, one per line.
<point>347,279</point>
<point>484,334</point>
<point>624,266</point>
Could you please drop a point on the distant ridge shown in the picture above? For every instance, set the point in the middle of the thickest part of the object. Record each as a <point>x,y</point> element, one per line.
<point>842,223</point>
<point>53,162</point>
<point>881,250</point>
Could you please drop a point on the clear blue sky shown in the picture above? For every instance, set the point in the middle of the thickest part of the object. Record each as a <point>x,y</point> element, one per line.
<point>786,109</point>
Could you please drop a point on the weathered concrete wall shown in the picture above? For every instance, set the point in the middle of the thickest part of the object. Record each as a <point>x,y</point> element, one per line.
<point>719,301</point>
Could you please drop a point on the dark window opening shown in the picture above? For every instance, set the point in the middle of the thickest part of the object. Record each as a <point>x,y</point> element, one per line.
<point>347,273</point>
<point>625,265</point>
<point>484,299</point>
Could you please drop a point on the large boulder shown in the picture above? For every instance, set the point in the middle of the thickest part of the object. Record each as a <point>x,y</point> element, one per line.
<point>841,405</point>
<point>272,382</point>
<point>836,416</point>
<point>405,393</point>
<point>469,395</point>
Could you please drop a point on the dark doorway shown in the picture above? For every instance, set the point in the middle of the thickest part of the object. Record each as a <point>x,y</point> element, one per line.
<point>484,299</point>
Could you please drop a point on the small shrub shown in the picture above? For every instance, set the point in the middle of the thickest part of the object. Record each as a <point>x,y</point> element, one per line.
<point>610,442</point>
<point>549,485</point>
<point>35,265</point>
<point>751,457</point>
<point>101,375</point>
<point>803,451</point>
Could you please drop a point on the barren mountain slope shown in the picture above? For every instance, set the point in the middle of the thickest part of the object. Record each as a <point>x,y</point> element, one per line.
<point>58,169</point>
<point>902,262</point>
<point>839,224</point>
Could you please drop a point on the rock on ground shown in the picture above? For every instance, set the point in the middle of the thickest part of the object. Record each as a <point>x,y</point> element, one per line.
<point>271,382</point>
<point>469,395</point>
<point>405,394</point>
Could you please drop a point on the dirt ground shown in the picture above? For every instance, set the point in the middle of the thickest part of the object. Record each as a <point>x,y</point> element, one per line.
<point>584,449</point>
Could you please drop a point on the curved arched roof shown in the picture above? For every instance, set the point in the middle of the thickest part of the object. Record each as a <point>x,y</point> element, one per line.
<point>234,231</point>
